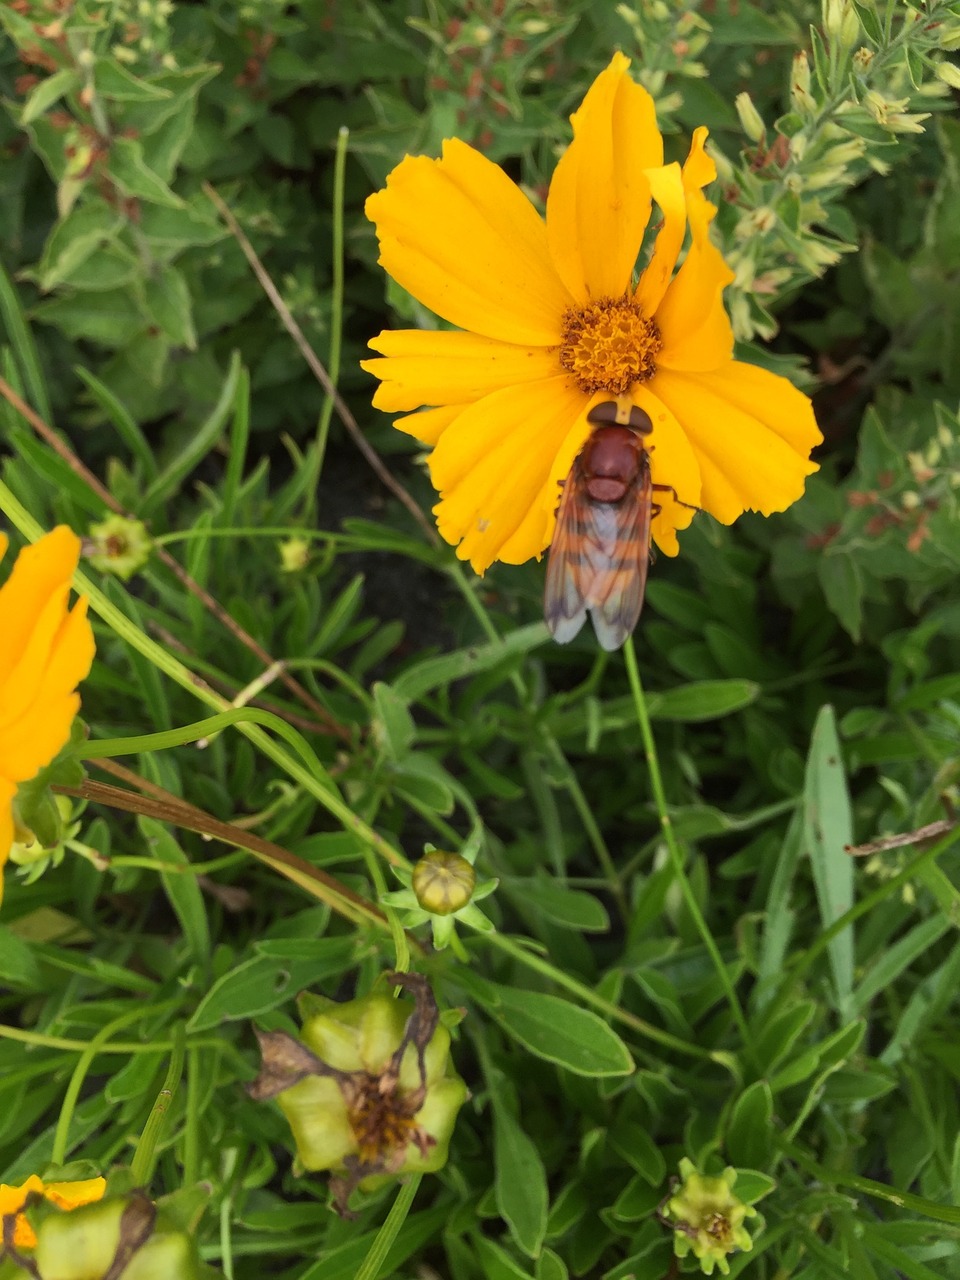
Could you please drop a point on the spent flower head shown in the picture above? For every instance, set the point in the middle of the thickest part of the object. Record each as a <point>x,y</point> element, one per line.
<point>369,1090</point>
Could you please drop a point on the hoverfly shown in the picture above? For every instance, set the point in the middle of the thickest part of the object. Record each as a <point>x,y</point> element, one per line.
<point>600,550</point>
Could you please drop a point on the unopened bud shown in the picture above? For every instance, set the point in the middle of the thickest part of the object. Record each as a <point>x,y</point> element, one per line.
<point>119,545</point>
<point>443,882</point>
<point>800,94</point>
<point>750,119</point>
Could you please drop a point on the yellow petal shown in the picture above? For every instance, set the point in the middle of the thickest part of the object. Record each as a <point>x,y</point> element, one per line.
<point>599,200</point>
<point>37,571</point>
<point>693,324</point>
<point>4,543</point>
<point>429,424</point>
<point>749,448</point>
<point>71,1195</point>
<point>466,241</point>
<point>673,464</point>
<point>28,744</point>
<point>666,185</point>
<point>438,367</point>
<point>492,464</point>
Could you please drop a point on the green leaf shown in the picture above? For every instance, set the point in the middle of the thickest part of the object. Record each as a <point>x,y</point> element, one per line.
<point>779,1033</point>
<point>393,726</point>
<point>703,700</point>
<point>752,1185</point>
<point>570,908</point>
<point>49,91</point>
<point>496,1262</point>
<point>81,233</point>
<point>896,959</point>
<point>115,82</point>
<point>431,673</point>
<point>750,1138</point>
<point>554,1029</point>
<point>181,887</point>
<point>131,174</point>
<point>277,971</point>
<point>521,1182</point>
<point>24,347</point>
<point>18,963</point>
<point>168,301</point>
<point>828,831</point>
<point>198,445</point>
<point>842,584</point>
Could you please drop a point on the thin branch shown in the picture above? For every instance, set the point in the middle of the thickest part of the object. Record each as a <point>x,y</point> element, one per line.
<point>316,366</point>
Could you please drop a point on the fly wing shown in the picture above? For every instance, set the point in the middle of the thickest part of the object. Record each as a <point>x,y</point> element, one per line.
<point>615,595</point>
<point>598,561</point>
<point>564,606</point>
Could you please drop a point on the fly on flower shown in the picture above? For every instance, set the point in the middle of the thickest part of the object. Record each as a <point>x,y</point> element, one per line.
<point>601,542</point>
<point>555,320</point>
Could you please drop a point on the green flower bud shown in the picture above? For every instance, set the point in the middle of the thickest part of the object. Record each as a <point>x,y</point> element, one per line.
<point>707,1218</point>
<point>369,1091</point>
<point>443,882</point>
<point>750,119</point>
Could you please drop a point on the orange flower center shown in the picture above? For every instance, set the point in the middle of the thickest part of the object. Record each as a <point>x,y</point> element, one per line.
<point>609,345</point>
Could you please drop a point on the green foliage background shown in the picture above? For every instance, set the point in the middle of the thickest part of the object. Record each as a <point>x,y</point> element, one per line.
<point>804,670</point>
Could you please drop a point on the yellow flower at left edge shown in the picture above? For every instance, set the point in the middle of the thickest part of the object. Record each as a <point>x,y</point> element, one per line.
<point>46,649</point>
<point>65,1195</point>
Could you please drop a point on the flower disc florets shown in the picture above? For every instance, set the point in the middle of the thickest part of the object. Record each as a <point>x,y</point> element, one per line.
<point>609,345</point>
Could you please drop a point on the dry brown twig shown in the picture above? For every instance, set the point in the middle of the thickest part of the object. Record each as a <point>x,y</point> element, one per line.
<point>156,802</point>
<point>316,365</point>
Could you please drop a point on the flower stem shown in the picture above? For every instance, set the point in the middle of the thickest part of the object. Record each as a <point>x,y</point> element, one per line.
<point>141,1167</point>
<point>676,858</point>
<point>373,1263</point>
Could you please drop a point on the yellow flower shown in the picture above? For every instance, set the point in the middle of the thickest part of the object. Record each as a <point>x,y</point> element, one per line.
<point>554,323</point>
<point>45,650</point>
<point>65,1195</point>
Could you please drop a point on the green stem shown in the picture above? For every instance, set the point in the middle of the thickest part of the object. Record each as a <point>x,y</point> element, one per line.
<point>372,1264</point>
<point>336,311</point>
<point>143,1158</point>
<point>552,746</point>
<point>676,858</point>
<point>191,1129</point>
<point>90,1051</point>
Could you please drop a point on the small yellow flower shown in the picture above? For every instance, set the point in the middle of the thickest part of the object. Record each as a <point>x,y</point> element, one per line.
<point>46,649</point>
<point>65,1195</point>
<point>553,321</point>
